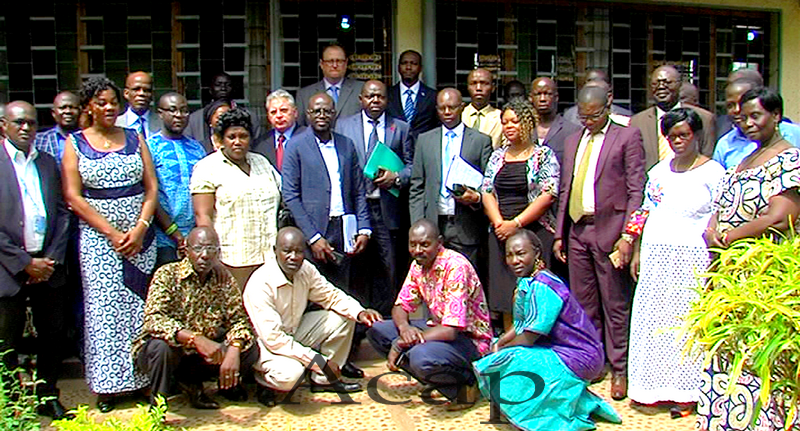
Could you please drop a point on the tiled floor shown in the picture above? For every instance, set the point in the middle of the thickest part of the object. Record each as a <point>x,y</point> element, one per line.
<point>317,411</point>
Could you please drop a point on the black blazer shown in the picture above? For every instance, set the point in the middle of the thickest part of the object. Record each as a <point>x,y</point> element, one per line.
<point>13,257</point>
<point>426,118</point>
<point>266,147</point>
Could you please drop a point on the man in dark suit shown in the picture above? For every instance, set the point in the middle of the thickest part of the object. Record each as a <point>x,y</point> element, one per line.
<point>138,93</point>
<point>460,218</point>
<point>282,115</point>
<point>551,128</point>
<point>665,85</point>
<point>601,185</point>
<point>33,243</point>
<point>344,91</point>
<point>410,100</point>
<point>366,129</point>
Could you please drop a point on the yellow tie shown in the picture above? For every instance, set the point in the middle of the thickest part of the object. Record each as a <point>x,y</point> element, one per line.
<point>576,197</point>
<point>477,124</point>
<point>664,150</point>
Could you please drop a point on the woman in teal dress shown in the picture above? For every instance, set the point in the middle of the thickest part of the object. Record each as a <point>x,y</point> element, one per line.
<point>539,370</point>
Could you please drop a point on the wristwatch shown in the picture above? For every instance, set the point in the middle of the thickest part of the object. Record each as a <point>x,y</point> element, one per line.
<point>237,343</point>
<point>627,238</point>
<point>398,182</point>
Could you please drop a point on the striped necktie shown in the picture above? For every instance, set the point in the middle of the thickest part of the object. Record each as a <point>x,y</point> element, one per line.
<point>409,110</point>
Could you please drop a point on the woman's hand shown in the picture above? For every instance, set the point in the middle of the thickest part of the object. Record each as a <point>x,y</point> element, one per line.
<point>505,230</point>
<point>635,265</point>
<point>713,238</point>
<point>132,240</point>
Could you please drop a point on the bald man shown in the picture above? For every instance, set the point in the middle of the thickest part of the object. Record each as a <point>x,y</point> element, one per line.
<point>65,111</point>
<point>551,128</point>
<point>601,186</point>
<point>665,84</point>
<point>33,243</point>
<point>479,114</point>
<point>138,92</point>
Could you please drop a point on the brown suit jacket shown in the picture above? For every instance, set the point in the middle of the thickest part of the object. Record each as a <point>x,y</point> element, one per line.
<point>618,183</point>
<point>647,123</point>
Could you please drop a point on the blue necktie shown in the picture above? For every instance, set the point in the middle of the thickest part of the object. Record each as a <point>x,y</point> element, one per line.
<point>409,110</point>
<point>334,93</point>
<point>140,126</point>
<point>447,160</point>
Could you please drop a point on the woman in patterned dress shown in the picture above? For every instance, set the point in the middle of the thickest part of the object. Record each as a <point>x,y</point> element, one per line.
<point>678,202</point>
<point>519,187</point>
<point>110,183</point>
<point>755,197</point>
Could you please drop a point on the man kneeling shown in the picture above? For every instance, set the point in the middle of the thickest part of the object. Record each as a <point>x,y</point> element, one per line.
<point>276,296</point>
<point>439,352</point>
<point>194,325</point>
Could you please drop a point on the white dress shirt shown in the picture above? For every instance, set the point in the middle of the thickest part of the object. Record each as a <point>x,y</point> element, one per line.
<point>30,188</point>
<point>588,183</point>
<point>447,205</point>
<point>129,118</point>
<point>328,150</point>
<point>403,96</point>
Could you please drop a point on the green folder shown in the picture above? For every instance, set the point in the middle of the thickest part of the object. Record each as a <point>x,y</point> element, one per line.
<point>383,158</point>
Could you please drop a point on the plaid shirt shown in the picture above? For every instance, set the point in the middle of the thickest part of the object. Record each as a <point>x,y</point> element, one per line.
<point>51,141</point>
<point>245,206</point>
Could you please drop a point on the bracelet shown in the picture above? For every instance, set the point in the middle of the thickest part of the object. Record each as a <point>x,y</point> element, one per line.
<point>237,343</point>
<point>145,222</point>
<point>171,229</point>
<point>627,238</point>
<point>516,221</point>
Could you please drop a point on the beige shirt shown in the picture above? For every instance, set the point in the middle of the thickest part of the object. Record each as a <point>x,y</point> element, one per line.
<point>588,183</point>
<point>245,206</point>
<point>276,306</point>
<point>490,122</point>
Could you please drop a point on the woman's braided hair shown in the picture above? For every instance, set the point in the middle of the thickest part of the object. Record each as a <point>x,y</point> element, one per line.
<point>527,118</point>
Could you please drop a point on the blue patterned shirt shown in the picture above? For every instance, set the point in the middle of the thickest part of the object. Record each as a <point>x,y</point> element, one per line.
<point>734,146</point>
<point>174,160</point>
<point>51,141</point>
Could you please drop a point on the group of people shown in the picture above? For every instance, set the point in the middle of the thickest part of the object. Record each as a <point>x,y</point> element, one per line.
<point>564,246</point>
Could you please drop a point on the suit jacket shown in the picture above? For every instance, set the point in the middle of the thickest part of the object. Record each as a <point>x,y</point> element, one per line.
<point>348,99</point>
<point>398,138</point>
<point>154,122</point>
<point>646,122</point>
<point>198,129</point>
<point>426,117</point>
<point>426,181</point>
<point>13,257</point>
<point>266,147</point>
<point>559,131</point>
<point>618,184</point>
<point>307,187</point>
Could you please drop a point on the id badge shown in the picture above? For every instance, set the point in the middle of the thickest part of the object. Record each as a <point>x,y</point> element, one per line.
<point>40,224</point>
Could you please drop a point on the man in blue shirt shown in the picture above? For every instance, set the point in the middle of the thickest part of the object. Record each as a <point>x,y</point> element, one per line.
<point>66,111</point>
<point>174,157</point>
<point>734,146</point>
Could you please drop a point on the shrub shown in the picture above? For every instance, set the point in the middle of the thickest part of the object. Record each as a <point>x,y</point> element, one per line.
<point>146,418</point>
<point>17,402</point>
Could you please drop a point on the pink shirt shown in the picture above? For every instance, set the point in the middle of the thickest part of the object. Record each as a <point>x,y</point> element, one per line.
<point>453,293</point>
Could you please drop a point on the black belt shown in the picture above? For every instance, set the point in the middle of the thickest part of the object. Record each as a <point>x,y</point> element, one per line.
<point>587,219</point>
<point>334,218</point>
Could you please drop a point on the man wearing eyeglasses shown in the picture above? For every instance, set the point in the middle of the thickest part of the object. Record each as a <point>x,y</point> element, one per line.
<point>174,157</point>
<point>342,90</point>
<point>665,86</point>
<point>602,179</point>
<point>138,92</point>
<point>195,326</point>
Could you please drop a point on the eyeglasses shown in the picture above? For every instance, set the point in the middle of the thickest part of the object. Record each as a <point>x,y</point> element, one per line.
<point>682,136</point>
<point>175,111</point>
<point>199,249</point>
<point>322,111</point>
<point>664,82</point>
<point>593,117</point>
<point>334,62</point>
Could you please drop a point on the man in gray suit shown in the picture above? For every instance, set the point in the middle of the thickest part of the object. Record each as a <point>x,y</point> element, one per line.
<point>138,93</point>
<point>366,129</point>
<point>460,216</point>
<point>344,91</point>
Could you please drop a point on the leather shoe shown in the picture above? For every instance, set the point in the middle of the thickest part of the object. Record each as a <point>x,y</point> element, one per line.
<point>197,398</point>
<point>236,393</point>
<point>338,387</point>
<point>619,387</point>
<point>54,409</point>
<point>350,370</point>
<point>106,403</point>
<point>265,396</point>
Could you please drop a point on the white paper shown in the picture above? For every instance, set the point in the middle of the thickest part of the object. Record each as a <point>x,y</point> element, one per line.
<point>463,173</point>
<point>349,230</point>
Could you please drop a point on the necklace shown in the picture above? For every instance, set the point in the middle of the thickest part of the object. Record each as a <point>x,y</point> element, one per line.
<point>107,144</point>
<point>676,168</point>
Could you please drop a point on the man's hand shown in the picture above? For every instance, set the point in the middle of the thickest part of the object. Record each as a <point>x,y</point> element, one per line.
<point>361,244</point>
<point>40,269</point>
<point>229,370</point>
<point>385,180</point>
<point>322,250</point>
<point>369,316</point>
<point>411,336</point>
<point>558,250</point>
<point>505,229</point>
<point>625,250</point>
<point>210,350</point>
<point>470,197</point>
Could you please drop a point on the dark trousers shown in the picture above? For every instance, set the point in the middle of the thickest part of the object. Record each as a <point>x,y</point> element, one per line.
<point>444,364</point>
<point>165,255</point>
<point>49,312</point>
<point>338,275</point>
<point>166,365</point>
<point>449,230</point>
<point>602,290</point>
<point>373,271</point>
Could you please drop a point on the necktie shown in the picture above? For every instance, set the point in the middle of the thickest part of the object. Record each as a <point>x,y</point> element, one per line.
<point>447,160</point>
<point>477,124</point>
<point>409,110</point>
<point>140,126</point>
<point>279,151</point>
<point>334,93</point>
<point>576,196</point>
<point>373,137</point>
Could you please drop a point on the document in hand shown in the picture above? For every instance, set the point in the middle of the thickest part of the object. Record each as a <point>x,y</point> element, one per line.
<point>349,232</point>
<point>463,173</point>
<point>383,157</point>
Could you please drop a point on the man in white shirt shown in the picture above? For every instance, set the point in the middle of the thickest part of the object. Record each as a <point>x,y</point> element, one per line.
<point>479,114</point>
<point>276,297</point>
<point>344,91</point>
<point>138,92</point>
